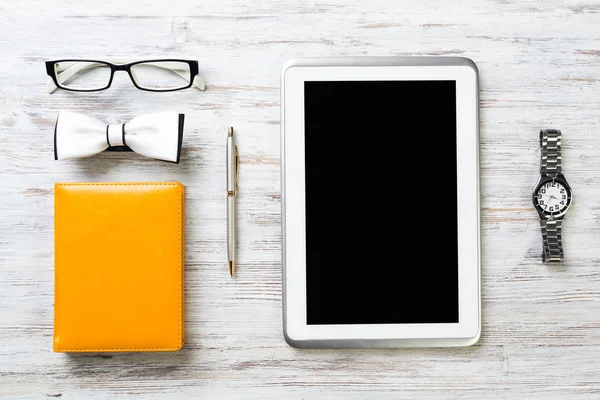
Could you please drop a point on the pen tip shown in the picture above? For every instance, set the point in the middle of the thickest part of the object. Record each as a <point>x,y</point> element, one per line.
<point>230,131</point>
<point>231,267</point>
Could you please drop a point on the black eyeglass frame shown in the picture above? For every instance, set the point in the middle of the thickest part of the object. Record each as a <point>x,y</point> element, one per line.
<point>193,64</point>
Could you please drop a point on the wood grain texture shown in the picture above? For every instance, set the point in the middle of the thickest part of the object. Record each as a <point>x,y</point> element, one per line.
<point>539,64</point>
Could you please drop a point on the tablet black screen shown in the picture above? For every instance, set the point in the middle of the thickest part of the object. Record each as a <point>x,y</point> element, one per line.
<point>381,202</point>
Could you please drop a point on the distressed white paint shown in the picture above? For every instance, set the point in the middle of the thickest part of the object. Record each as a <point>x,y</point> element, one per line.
<point>540,67</point>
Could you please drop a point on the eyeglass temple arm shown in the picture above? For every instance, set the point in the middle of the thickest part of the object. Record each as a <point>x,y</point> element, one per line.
<point>67,73</point>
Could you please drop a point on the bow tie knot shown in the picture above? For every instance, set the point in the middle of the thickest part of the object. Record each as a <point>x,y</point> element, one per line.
<point>115,135</point>
<point>156,135</point>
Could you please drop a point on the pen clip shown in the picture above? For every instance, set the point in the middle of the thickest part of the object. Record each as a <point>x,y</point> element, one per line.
<point>237,168</point>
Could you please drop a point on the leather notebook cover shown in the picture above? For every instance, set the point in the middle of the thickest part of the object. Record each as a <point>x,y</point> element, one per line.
<point>118,273</point>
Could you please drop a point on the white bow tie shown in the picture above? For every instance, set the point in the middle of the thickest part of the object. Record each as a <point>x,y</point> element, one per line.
<point>156,135</point>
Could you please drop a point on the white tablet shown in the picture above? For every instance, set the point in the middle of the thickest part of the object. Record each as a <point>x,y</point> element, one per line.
<point>380,202</point>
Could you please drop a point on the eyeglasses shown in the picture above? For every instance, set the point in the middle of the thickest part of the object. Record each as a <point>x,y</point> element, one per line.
<point>160,75</point>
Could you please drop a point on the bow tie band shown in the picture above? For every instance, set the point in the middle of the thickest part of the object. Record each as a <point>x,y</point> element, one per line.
<point>156,135</point>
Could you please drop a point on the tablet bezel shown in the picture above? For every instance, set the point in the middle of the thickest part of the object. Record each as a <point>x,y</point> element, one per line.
<point>296,331</point>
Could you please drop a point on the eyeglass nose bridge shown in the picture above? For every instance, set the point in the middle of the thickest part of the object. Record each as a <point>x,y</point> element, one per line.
<point>121,68</point>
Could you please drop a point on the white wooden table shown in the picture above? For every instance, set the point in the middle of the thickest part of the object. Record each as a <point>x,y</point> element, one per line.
<point>539,64</point>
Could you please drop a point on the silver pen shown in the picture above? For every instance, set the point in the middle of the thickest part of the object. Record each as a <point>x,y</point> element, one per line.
<point>232,186</point>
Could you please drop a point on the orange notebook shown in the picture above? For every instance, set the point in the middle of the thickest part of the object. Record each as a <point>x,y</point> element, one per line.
<point>118,273</point>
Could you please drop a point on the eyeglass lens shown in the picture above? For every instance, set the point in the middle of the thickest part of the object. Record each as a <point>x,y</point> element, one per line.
<point>82,75</point>
<point>161,75</point>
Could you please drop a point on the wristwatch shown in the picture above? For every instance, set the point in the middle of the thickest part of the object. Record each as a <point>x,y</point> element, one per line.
<point>552,196</point>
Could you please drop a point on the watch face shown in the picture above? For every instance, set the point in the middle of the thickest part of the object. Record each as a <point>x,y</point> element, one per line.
<point>553,198</point>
